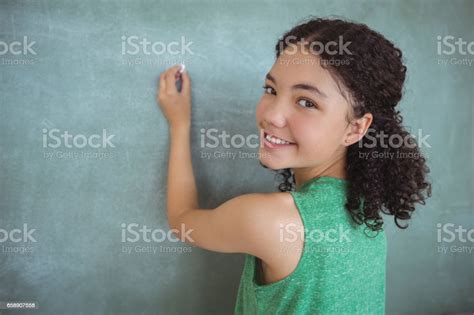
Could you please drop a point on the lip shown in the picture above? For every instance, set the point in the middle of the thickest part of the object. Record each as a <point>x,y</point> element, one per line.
<point>272,145</point>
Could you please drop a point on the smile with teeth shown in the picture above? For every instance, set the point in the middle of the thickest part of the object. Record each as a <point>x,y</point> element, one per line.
<point>276,140</point>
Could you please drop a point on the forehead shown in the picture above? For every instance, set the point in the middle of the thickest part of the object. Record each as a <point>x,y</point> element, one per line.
<point>295,66</point>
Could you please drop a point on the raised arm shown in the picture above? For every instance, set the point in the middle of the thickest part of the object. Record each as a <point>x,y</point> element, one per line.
<point>176,107</point>
<point>249,223</point>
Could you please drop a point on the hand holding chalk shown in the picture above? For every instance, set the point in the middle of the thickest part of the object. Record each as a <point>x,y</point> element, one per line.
<point>174,96</point>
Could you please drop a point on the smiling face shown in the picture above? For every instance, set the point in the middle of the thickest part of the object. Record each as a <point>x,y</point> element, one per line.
<point>302,104</point>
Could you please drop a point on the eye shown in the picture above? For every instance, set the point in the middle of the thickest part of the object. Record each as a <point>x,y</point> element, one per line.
<point>269,90</point>
<point>306,103</point>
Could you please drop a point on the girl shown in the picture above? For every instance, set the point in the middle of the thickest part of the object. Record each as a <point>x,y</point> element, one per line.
<point>326,119</point>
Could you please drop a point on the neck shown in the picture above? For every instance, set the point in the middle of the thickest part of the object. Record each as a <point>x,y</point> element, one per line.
<point>335,169</point>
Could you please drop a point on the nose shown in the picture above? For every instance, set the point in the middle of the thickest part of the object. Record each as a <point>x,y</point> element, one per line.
<point>275,115</point>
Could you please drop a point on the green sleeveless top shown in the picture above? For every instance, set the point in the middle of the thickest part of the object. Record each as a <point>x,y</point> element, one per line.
<point>341,269</point>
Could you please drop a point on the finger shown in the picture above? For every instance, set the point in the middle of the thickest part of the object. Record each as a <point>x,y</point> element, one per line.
<point>171,79</point>
<point>162,83</point>
<point>173,71</point>
<point>186,85</point>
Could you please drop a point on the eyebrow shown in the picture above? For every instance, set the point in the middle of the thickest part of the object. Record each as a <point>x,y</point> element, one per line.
<point>301,86</point>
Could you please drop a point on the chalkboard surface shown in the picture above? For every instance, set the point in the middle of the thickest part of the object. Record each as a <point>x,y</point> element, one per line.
<point>84,148</point>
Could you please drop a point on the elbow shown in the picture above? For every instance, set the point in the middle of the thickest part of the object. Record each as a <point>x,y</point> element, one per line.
<point>174,223</point>
<point>177,228</point>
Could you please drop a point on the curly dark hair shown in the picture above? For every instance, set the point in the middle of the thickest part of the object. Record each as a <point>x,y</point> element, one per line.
<point>372,73</point>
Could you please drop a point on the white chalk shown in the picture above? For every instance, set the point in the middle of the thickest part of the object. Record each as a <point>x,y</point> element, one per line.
<point>181,69</point>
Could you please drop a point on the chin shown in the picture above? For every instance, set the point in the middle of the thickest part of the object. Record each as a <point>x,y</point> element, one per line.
<point>270,162</point>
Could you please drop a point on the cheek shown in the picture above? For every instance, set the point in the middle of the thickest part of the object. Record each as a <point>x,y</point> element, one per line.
<point>306,132</point>
<point>317,136</point>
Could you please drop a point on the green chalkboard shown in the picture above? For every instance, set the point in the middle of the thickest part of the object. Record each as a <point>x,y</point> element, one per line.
<point>84,148</point>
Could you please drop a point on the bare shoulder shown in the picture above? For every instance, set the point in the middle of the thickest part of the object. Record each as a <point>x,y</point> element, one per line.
<point>277,215</point>
<point>283,206</point>
<point>280,245</point>
<point>273,208</point>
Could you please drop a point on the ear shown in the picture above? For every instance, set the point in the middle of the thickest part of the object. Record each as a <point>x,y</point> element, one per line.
<point>357,129</point>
